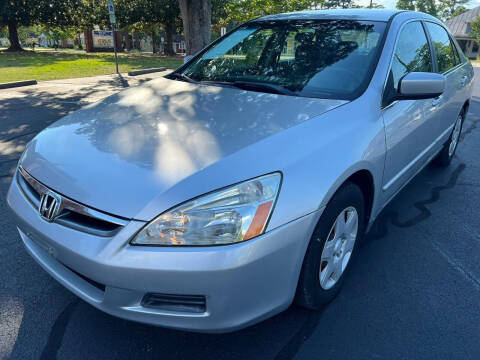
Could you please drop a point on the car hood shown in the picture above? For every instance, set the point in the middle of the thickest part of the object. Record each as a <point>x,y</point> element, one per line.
<point>119,154</point>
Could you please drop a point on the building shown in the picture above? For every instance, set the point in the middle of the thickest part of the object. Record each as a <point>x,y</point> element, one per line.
<point>461,29</point>
<point>179,44</point>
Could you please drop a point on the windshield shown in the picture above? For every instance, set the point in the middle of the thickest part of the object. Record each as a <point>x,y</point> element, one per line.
<point>312,58</point>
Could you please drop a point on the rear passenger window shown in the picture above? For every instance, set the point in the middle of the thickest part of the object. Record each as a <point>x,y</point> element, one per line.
<point>412,53</point>
<point>446,57</point>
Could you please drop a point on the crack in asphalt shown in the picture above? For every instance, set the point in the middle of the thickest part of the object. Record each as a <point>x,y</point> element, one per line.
<point>453,263</point>
<point>58,331</point>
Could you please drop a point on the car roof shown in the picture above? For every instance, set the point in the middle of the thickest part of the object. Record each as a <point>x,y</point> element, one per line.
<point>348,14</point>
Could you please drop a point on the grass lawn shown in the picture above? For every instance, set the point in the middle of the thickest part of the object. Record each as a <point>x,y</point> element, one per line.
<point>50,65</point>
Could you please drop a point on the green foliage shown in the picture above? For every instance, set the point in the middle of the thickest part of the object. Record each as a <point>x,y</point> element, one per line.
<point>406,4</point>
<point>57,34</point>
<point>334,4</point>
<point>16,11</point>
<point>47,65</point>
<point>29,12</point>
<point>130,12</point>
<point>459,10</point>
<point>243,10</point>
<point>449,7</point>
<point>427,6</point>
<point>444,9</point>
<point>475,32</point>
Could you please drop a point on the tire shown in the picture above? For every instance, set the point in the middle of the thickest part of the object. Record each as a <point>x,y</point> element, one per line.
<point>314,289</point>
<point>445,156</point>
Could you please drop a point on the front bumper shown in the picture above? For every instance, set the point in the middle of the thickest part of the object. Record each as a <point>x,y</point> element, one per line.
<point>242,283</point>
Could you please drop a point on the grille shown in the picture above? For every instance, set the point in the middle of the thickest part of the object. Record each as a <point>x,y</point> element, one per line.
<point>71,213</point>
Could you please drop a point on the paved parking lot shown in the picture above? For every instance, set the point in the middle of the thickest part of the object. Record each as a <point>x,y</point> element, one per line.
<point>414,292</point>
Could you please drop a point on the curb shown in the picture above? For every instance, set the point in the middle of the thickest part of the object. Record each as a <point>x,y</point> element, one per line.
<point>146,71</point>
<point>17,84</point>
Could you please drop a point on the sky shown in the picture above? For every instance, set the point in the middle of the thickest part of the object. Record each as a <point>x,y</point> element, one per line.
<point>390,4</point>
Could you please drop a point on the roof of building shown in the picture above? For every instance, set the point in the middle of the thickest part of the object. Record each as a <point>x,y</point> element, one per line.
<point>459,25</point>
<point>354,14</point>
<point>178,38</point>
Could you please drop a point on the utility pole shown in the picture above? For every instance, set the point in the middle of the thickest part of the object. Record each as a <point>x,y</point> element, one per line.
<point>113,21</point>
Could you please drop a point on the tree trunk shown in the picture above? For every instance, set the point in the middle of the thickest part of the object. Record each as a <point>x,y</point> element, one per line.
<point>128,42</point>
<point>88,40</point>
<point>154,43</point>
<point>169,30</point>
<point>117,37</point>
<point>13,37</point>
<point>136,41</point>
<point>197,19</point>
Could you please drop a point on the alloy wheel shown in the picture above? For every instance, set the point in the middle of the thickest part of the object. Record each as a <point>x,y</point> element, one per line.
<point>338,247</point>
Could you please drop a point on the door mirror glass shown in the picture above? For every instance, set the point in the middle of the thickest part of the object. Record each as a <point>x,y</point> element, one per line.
<point>421,85</point>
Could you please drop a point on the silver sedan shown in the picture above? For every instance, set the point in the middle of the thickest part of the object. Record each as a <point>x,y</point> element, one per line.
<point>214,197</point>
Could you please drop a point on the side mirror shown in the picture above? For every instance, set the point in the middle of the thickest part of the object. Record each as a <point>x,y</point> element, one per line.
<point>420,85</point>
<point>187,58</point>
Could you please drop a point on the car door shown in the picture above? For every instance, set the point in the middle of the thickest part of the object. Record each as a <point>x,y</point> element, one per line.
<point>408,132</point>
<point>445,109</point>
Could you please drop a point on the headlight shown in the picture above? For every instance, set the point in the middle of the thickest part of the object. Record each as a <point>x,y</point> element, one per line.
<point>237,213</point>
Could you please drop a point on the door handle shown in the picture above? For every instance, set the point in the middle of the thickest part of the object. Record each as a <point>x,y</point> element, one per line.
<point>436,101</point>
<point>464,79</point>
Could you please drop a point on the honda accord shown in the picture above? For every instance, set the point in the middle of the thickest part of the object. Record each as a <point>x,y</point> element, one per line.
<point>214,197</point>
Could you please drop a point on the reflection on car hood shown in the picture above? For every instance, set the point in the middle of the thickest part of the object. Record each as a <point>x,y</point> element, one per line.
<point>118,154</point>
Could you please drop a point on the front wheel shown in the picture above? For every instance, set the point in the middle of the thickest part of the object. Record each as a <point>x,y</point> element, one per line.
<point>444,158</point>
<point>332,247</point>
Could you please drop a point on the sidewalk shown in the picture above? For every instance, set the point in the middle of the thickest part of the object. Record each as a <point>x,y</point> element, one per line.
<point>80,91</point>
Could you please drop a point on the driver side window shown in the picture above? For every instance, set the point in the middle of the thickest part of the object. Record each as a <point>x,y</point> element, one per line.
<point>412,54</point>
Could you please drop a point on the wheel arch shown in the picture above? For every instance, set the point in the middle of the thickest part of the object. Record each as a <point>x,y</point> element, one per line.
<point>466,106</point>
<point>364,178</point>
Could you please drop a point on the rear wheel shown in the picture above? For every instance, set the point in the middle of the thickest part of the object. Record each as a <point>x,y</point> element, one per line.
<point>444,158</point>
<point>332,247</point>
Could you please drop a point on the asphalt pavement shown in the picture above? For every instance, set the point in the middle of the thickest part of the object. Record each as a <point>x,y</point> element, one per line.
<point>413,293</point>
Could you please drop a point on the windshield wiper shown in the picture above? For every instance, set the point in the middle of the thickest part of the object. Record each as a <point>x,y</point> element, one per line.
<point>266,87</point>
<point>241,84</point>
<point>183,77</point>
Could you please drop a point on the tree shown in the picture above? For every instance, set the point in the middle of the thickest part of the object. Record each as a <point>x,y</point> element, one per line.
<point>406,4</point>
<point>197,19</point>
<point>148,15</point>
<point>460,10</point>
<point>15,13</point>
<point>426,6</point>
<point>244,10</point>
<point>57,34</point>
<point>335,4</point>
<point>475,26</point>
<point>374,5</point>
<point>449,7</point>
